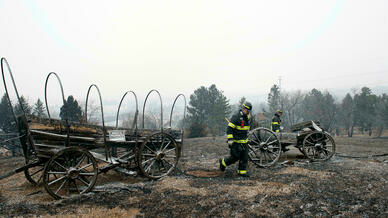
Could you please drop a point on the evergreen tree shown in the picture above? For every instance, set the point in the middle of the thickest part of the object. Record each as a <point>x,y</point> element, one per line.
<point>26,107</point>
<point>207,109</point>
<point>320,106</point>
<point>274,99</point>
<point>71,110</point>
<point>382,113</point>
<point>365,109</point>
<point>7,122</point>
<point>347,115</point>
<point>39,109</point>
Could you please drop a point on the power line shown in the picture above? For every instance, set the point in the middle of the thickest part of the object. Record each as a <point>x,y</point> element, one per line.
<point>341,76</point>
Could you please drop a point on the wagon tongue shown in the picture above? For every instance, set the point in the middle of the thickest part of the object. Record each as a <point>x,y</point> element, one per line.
<point>20,169</point>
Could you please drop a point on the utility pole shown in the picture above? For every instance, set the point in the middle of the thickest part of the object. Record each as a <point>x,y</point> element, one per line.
<point>280,83</point>
<point>280,88</point>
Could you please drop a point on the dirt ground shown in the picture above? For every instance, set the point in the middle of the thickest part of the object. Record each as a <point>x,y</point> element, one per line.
<point>354,183</point>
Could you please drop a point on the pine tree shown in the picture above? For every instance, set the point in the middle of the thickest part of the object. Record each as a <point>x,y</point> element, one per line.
<point>26,107</point>
<point>207,108</point>
<point>39,109</point>
<point>71,110</point>
<point>7,122</point>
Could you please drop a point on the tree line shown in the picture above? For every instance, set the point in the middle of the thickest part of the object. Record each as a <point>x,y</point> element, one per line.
<point>363,110</point>
<point>208,107</point>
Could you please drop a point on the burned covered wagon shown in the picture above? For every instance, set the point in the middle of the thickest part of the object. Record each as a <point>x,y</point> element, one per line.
<point>67,157</point>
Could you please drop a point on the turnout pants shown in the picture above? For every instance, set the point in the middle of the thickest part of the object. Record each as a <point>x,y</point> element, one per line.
<point>239,152</point>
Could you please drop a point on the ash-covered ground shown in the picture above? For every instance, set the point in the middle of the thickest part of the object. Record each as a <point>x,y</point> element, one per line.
<point>352,183</point>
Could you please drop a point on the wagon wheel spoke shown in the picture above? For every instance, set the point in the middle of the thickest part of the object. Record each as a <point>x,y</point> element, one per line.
<point>257,138</point>
<point>37,171</point>
<point>86,166</point>
<point>148,155</point>
<point>57,180</point>
<point>146,161</point>
<point>34,174</point>
<point>60,165</point>
<point>166,146</point>
<point>40,179</point>
<point>274,141</point>
<point>264,157</point>
<point>80,161</point>
<point>83,180</point>
<point>272,156</point>
<point>57,173</point>
<point>76,187</point>
<point>168,163</point>
<point>261,158</point>
<point>327,151</point>
<point>173,149</point>
<point>266,141</point>
<point>61,186</point>
<point>149,149</point>
<point>162,143</point>
<point>68,189</point>
<point>149,166</point>
<point>86,174</point>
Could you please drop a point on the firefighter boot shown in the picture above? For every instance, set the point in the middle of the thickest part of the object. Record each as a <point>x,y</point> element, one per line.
<point>242,173</point>
<point>222,164</point>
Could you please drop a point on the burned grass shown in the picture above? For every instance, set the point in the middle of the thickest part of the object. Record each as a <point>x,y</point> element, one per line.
<point>341,187</point>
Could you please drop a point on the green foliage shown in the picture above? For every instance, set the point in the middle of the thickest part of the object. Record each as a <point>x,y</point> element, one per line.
<point>71,110</point>
<point>7,122</point>
<point>26,107</point>
<point>365,109</point>
<point>274,99</point>
<point>346,117</point>
<point>320,106</point>
<point>39,109</point>
<point>207,109</point>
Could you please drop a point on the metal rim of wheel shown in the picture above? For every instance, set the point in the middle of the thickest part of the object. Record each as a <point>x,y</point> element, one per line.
<point>34,174</point>
<point>319,146</point>
<point>72,171</point>
<point>158,155</point>
<point>264,147</point>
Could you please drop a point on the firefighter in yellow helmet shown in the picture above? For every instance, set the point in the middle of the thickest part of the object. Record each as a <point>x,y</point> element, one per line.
<point>276,125</point>
<point>237,134</point>
<point>276,121</point>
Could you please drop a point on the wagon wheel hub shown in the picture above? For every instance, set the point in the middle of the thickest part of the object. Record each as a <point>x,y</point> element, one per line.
<point>318,145</point>
<point>73,173</point>
<point>160,155</point>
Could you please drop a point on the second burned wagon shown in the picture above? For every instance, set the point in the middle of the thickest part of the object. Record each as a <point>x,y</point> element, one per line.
<point>67,157</point>
<point>265,146</point>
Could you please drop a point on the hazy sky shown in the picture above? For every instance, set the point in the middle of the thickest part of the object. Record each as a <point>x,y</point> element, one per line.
<point>176,46</point>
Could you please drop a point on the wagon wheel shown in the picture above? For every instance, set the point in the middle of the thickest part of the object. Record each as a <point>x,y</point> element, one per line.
<point>301,151</point>
<point>158,155</point>
<point>318,146</point>
<point>34,174</point>
<point>70,172</point>
<point>264,147</point>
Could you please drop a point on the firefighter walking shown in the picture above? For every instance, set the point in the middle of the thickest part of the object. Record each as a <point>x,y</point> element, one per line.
<point>237,135</point>
<point>276,121</point>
